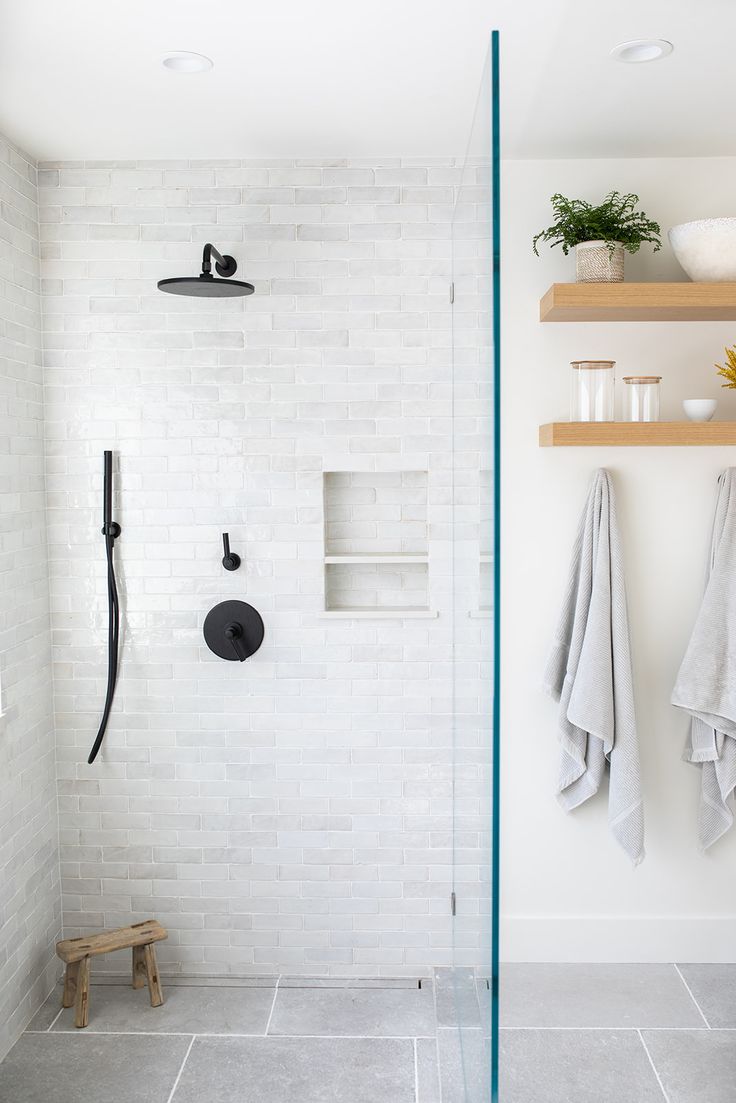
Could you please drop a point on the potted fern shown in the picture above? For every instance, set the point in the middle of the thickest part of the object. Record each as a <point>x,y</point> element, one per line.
<point>599,234</point>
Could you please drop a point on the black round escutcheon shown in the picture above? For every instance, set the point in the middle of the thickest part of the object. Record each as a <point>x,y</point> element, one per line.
<point>233,630</point>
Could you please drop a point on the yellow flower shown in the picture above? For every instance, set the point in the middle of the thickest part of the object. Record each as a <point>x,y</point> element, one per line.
<point>728,372</point>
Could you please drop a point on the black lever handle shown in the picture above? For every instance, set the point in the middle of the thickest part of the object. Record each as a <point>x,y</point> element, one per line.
<point>230,560</point>
<point>234,633</point>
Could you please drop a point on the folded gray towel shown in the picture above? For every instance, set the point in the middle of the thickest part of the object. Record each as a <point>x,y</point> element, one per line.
<point>589,672</point>
<point>706,683</point>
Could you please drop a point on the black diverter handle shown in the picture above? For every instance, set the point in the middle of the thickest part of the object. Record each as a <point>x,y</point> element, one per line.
<point>234,633</point>
<point>230,560</point>
<point>233,630</point>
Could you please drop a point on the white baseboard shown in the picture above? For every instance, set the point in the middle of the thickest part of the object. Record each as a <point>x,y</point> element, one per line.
<point>614,938</point>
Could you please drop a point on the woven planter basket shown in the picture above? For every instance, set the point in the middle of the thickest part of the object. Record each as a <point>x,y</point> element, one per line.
<point>596,263</point>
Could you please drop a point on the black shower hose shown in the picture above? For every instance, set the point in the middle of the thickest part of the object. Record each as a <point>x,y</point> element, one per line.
<point>113,632</point>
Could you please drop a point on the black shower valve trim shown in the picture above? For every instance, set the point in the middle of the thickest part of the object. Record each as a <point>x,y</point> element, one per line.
<point>230,560</point>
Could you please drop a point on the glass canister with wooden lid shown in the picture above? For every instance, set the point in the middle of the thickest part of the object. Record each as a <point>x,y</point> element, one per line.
<point>592,391</point>
<point>641,397</point>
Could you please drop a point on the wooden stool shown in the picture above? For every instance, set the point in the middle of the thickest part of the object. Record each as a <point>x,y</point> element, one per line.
<point>76,952</point>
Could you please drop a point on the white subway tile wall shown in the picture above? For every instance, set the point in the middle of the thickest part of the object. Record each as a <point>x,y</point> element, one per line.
<point>30,893</point>
<point>292,813</point>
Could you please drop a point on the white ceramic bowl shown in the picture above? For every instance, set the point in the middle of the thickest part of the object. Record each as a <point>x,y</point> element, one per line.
<point>706,249</point>
<point>700,409</point>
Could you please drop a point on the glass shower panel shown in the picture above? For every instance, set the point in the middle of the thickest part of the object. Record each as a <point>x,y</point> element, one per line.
<point>468,1038</point>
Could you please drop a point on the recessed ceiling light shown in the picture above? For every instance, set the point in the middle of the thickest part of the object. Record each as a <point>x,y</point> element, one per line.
<point>182,61</point>
<point>641,50</point>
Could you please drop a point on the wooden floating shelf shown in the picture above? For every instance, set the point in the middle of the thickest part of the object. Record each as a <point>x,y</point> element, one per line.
<point>570,434</point>
<point>639,302</point>
<point>376,557</point>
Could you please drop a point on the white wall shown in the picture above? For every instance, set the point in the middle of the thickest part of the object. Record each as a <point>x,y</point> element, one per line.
<point>30,899</point>
<point>569,893</point>
<point>293,813</point>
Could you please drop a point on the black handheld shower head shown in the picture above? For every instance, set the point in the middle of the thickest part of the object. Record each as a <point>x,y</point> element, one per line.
<point>205,285</point>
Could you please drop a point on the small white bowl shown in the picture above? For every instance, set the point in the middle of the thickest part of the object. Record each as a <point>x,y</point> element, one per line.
<point>706,249</point>
<point>700,409</point>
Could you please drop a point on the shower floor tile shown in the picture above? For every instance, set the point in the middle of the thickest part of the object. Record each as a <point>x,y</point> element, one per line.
<point>197,1010</point>
<point>362,1012</point>
<point>428,1072</point>
<point>576,1066</point>
<point>714,987</point>
<point>310,1070</point>
<point>90,1068</point>
<point>465,1065</point>
<point>588,1034</point>
<point>457,998</point>
<point>695,1066</point>
<point>595,996</point>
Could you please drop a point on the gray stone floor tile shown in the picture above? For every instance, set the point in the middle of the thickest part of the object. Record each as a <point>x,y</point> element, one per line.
<point>90,1068</point>
<point>361,1012</point>
<point>576,1066</point>
<point>465,1065</point>
<point>428,1082</point>
<point>714,988</point>
<point>456,998</point>
<point>448,977</point>
<point>695,1066</point>
<point>311,1070</point>
<point>483,988</point>
<point>47,1012</point>
<point>185,1011</point>
<point>595,996</point>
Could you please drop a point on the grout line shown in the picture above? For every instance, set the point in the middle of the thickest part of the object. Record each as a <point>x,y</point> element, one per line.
<point>654,1067</point>
<point>181,1069</point>
<point>273,1006</point>
<point>390,1037</point>
<point>53,1024</point>
<point>416,1073</point>
<point>126,1033</point>
<point>692,997</point>
<point>651,1029</point>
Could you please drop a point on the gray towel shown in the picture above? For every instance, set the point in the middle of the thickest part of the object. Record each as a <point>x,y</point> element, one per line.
<point>589,673</point>
<point>706,683</point>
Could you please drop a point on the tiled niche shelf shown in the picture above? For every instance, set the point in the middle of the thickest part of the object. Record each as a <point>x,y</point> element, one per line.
<point>639,302</point>
<point>376,559</point>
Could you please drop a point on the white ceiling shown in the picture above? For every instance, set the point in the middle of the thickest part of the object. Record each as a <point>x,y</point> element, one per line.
<point>82,79</point>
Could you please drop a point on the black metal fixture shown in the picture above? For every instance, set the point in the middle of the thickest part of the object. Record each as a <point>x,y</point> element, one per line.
<point>233,630</point>
<point>205,284</point>
<point>111,531</point>
<point>230,560</point>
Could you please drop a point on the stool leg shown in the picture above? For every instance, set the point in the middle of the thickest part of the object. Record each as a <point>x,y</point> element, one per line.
<point>81,1007</point>
<point>139,967</point>
<point>154,983</point>
<point>70,984</point>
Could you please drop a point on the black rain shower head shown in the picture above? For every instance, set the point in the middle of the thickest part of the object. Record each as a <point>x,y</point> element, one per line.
<point>206,285</point>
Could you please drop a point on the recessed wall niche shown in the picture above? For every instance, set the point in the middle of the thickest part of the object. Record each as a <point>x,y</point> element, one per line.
<point>376,543</point>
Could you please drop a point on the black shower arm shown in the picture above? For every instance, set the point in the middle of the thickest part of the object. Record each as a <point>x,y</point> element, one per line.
<point>207,254</point>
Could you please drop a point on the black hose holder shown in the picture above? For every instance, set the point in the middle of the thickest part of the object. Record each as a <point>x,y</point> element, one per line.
<point>233,630</point>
